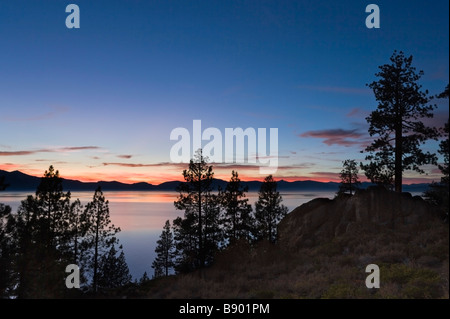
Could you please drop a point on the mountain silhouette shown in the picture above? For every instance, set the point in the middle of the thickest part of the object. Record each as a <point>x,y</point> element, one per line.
<point>19,181</point>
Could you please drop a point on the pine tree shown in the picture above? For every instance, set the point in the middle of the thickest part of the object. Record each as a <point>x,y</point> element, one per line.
<point>349,177</point>
<point>77,230</point>
<point>196,234</point>
<point>123,276</point>
<point>41,233</point>
<point>100,234</point>
<point>165,255</point>
<point>438,192</point>
<point>380,170</point>
<point>444,144</point>
<point>239,221</point>
<point>213,230</point>
<point>269,210</point>
<point>444,151</point>
<point>7,248</point>
<point>48,233</point>
<point>186,244</point>
<point>78,243</point>
<point>144,278</point>
<point>113,270</point>
<point>398,122</point>
<point>53,206</point>
<point>28,254</point>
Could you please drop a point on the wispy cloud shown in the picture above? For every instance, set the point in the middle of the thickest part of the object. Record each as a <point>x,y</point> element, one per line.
<point>128,164</point>
<point>358,112</point>
<point>436,170</point>
<point>18,153</point>
<point>125,156</point>
<point>314,176</point>
<point>256,166</point>
<point>337,136</point>
<point>49,150</point>
<point>266,157</point>
<point>229,166</point>
<point>336,89</point>
<point>54,111</point>
<point>77,148</point>
<point>330,176</point>
<point>154,165</point>
<point>50,161</point>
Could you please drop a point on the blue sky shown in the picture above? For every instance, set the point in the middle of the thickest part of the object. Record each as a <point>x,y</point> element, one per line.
<point>100,102</point>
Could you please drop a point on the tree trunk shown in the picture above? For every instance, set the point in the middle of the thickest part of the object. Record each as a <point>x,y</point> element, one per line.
<point>200,235</point>
<point>166,266</point>
<point>234,224</point>
<point>76,248</point>
<point>351,189</point>
<point>398,157</point>
<point>96,251</point>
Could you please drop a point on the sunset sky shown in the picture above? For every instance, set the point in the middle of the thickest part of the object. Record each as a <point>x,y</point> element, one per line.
<point>100,102</point>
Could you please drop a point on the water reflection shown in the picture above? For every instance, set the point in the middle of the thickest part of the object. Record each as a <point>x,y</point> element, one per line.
<point>141,216</point>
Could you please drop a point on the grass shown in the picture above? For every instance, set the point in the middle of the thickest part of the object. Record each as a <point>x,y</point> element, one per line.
<point>413,261</point>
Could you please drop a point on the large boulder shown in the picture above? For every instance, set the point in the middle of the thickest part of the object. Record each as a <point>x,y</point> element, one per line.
<point>322,219</point>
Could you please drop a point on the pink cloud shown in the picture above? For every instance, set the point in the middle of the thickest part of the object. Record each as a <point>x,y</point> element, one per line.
<point>337,137</point>
<point>17,153</point>
<point>54,111</point>
<point>164,164</point>
<point>48,150</point>
<point>358,112</point>
<point>76,148</point>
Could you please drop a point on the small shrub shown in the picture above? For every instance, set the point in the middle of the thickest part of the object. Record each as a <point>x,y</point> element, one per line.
<point>330,249</point>
<point>417,283</point>
<point>340,291</point>
<point>263,294</point>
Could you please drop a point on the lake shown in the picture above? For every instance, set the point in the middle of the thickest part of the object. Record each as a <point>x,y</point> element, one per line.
<point>141,217</point>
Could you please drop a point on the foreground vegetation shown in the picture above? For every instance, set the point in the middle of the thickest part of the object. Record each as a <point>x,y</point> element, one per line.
<point>413,261</point>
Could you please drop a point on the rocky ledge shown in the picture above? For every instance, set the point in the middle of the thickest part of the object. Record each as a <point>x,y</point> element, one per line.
<point>322,219</point>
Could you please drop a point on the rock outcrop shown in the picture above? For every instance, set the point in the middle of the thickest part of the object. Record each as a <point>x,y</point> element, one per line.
<point>322,219</point>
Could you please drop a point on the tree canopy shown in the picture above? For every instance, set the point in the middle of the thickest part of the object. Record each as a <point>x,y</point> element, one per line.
<point>398,123</point>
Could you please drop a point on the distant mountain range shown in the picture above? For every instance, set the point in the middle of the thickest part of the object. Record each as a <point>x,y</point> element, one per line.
<point>19,181</point>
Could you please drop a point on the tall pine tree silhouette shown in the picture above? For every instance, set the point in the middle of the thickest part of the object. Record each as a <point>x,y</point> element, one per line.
<point>165,253</point>
<point>113,270</point>
<point>238,220</point>
<point>41,231</point>
<point>100,234</point>
<point>7,247</point>
<point>195,234</point>
<point>269,210</point>
<point>398,121</point>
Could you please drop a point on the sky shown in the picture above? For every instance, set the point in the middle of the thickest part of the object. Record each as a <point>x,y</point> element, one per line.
<point>99,102</point>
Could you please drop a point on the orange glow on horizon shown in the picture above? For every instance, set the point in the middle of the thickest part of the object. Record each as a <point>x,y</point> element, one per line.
<point>127,178</point>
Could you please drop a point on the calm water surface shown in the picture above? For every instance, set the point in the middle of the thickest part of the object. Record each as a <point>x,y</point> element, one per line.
<point>141,216</point>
